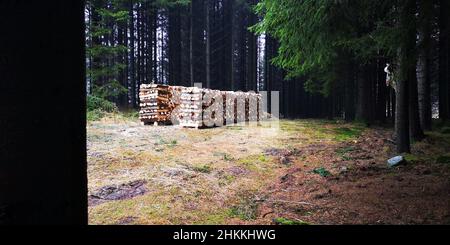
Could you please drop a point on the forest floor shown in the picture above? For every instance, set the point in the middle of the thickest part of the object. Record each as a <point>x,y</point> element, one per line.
<point>305,172</point>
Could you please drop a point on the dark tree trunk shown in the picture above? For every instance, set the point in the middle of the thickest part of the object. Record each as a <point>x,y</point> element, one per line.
<point>208,43</point>
<point>149,41</point>
<point>415,131</point>
<point>131,70</point>
<point>362,110</point>
<point>252,52</point>
<point>424,65</point>
<point>227,51</point>
<point>349,111</point>
<point>197,49</point>
<point>233,39</point>
<point>155,46</point>
<point>122,100</point>
<point>175,53</point>
<point>444,60</point>
<point>407,45</point>
<point>381,89</point>
<point>138,54</point>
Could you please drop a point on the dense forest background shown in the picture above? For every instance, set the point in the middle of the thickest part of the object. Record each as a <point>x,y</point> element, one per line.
<point>327,58</point>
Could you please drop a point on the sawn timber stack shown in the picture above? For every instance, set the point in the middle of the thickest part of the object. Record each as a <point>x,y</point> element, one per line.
<point>197,107</point>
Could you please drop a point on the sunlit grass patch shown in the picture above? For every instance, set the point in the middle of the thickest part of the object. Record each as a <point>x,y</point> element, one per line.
<point>345,133</point>
<point>257,163</point>
<point>323,129</point>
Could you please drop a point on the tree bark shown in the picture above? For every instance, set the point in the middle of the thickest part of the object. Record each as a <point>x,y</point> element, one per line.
<point>349,107</point>
<point>423,66</point>
<point>415,131</point>
<point>407,45</point>
<point>443,61</point>
<point>132,82</point>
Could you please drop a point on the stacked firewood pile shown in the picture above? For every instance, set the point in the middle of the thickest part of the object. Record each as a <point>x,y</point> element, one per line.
<point>155,103</point>
<point>230,107</point>
<point>209,108</point>
<point>191,107</point>
<point>197,107</point>
<point>241,107</point>
<point>175,103</point>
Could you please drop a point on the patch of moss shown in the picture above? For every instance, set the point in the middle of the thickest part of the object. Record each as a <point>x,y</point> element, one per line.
<point>285,221</point>
<point>411,158</point>
<point>244,211</point>
<point>215,219</point>
<point>256,163</point>
<point>262,158</point>
<point>322,172</point>
<point>202,169</point>
<point>226,180</point>
<point>345,133</point>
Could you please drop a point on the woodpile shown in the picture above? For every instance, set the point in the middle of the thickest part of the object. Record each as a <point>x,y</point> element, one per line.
<point>175,103</point>
<point>156,103</point>
<point>196,107</point>
<point>191,107</point>
<point>230,107</point>
<point>209,108</point>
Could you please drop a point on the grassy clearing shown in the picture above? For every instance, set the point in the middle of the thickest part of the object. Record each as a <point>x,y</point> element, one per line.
<point>97,115</point>
<point>313,130</point>
<point>209,176</point>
